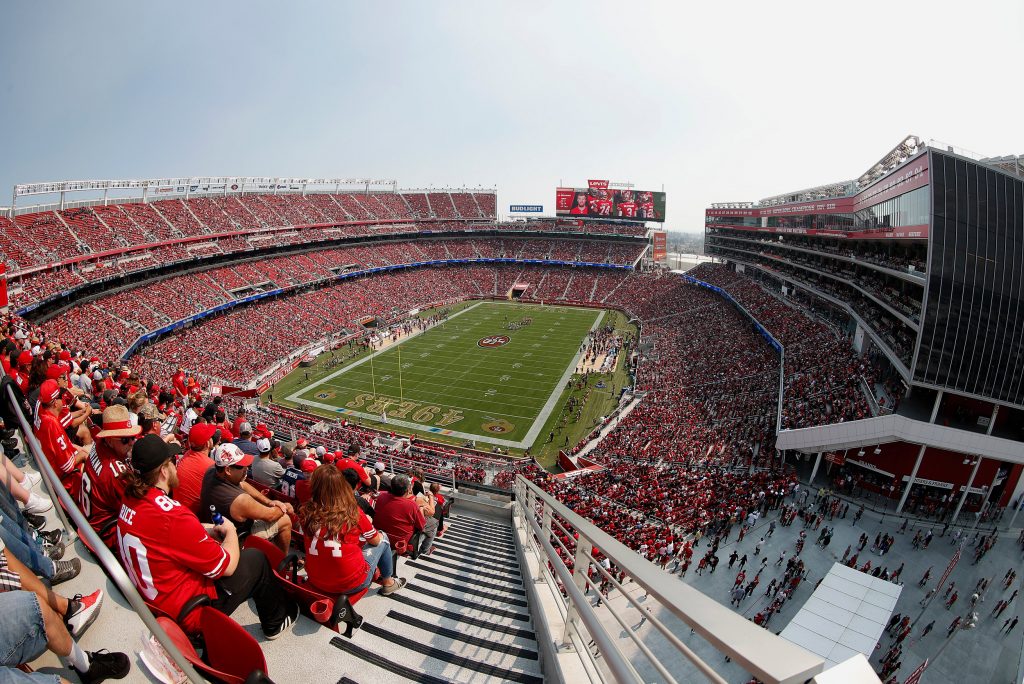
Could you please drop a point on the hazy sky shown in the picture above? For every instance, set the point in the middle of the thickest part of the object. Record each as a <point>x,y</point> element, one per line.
<point>717,101</point>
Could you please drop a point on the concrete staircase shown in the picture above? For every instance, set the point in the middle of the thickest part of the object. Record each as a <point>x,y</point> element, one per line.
<point>463,617</point>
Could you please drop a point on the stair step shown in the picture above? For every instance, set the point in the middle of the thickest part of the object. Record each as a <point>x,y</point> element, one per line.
<point>465,578</point>
<point>486,595</point>
<point>483,561</point>
<point>447,656</point>
<point>502,575</point>
<point>489,644</point>
<point>468,548</point>
<point>482,524</point>
<point>475,605</point>
<point>382,662</point>
<point>477,541</point>
<point>464,619</point>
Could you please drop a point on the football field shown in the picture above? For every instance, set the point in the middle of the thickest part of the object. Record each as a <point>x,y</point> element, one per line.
<point>492,372</point>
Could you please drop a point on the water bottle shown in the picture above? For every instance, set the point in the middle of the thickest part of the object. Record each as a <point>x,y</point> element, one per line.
<point>215,516</point>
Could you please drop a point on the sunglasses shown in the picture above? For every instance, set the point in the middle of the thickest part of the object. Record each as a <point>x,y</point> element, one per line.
<point>128,440</point>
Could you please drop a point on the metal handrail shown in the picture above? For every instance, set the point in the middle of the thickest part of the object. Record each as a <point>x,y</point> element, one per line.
<point>768,657</point>
<point>96,545</point>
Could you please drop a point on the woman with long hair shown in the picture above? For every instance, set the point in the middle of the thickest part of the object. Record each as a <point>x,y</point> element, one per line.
<point>343,548</point>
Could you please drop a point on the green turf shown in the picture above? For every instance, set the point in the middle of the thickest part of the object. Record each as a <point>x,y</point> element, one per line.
<point>443,383</point>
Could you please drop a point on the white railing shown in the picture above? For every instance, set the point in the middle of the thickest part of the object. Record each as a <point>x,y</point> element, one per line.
<point>66,508</point>
<point>541,520</point>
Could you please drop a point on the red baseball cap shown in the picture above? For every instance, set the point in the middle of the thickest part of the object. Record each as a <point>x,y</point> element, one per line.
<point>25,358</point>
<point>263,431</point>
<point>309,465</point>
<point>49,392</point>
<point>226,436</point>
<point>200,434</point>
<point>64,355</point>
<point>301,442</point>
<point>57,370</point>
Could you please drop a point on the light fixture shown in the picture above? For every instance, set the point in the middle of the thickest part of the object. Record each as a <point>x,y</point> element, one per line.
<point>967,461</point>
<point>860,454</point>
<point>878,450</point>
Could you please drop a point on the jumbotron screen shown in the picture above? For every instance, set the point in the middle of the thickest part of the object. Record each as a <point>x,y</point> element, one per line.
<point>632,205</point>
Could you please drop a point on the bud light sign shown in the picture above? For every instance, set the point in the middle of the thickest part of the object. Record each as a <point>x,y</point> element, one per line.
<point>525,208</point>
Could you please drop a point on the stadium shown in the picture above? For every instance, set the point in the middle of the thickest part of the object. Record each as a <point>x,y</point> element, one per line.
<point>589,416</point>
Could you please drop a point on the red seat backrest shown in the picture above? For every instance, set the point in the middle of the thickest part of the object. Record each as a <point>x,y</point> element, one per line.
<point>230,648</point>
<point>182,643</point>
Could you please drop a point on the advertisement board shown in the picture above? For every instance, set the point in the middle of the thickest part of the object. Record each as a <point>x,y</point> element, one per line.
<point>659,243</point>
<point>597,184</point>
<point>633,205</point>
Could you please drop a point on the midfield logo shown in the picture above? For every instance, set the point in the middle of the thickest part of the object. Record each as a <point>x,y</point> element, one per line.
<point>494,341</point>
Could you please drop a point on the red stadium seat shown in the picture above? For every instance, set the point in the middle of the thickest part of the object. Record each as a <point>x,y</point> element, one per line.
<point>230,655</point>
<point>327,609</point>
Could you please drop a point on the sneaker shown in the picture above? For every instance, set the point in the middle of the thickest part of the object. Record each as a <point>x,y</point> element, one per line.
<point>37,504</point>
<point>64,570</point>
<point>292,617</point>
<point>54,551</point>
<point>393,587</point>
<point>82,611</point>
<point>37,522</point>
<point>31,480</point>
<point>53,536</point>
<point>104,665</point>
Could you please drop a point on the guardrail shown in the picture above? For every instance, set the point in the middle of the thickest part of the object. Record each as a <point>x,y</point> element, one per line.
<point>110,564</point>
<point>542,519</point>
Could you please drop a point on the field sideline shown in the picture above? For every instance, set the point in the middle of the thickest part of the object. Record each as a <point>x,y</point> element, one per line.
<point>471,377</point>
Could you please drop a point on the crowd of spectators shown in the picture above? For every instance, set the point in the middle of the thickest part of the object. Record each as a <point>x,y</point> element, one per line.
<point>693,454</point>
<point>37,285</point>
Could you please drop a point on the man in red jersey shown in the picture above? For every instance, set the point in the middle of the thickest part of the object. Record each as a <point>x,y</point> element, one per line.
<point>20,374</point>
<point>65,457</point>
<point>178,382</point>
<point>647,205</point>
<point>193,464</point>
<point>396,512</point>
<point>604,203</point>
<point>626,207</point>
<point>102,486</point>
<point>171,557</point>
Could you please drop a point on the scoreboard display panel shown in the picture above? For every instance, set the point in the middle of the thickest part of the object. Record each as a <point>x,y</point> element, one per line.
<point>609,203</point>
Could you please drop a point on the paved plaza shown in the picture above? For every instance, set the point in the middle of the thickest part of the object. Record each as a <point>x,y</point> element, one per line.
<point>982,655</point>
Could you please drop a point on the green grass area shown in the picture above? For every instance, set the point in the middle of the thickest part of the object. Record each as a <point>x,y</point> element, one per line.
<point>452,389</point>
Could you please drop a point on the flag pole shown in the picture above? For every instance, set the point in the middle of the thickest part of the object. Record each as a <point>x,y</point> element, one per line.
<point>373,382</point>
<point>401,393</point>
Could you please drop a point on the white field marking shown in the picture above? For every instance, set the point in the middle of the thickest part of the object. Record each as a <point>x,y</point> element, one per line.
<point>342,409</point>
<point>295,397</point>
<point>531,435</point>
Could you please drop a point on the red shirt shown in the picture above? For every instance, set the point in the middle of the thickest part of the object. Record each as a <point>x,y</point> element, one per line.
<point>191,469</point>
<point>168,554</point>
<point>399,517</point>
<point>335,564</point>
<point>102,490</point>
<point>178,381</point>
<point>59,450</point>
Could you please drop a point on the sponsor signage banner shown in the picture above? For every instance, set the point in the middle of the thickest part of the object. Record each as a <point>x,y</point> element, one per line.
<point>838,459</point>
<point>660,245</point>
<point>526,208</point>
<point>597,184</point>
